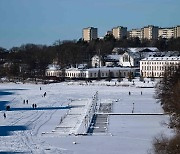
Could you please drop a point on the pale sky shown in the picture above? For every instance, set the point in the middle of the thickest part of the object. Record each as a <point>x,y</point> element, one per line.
<point>45,21</point>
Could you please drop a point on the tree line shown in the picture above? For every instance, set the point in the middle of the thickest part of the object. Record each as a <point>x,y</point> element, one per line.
<point>168,92</point>
<point>31,60</point>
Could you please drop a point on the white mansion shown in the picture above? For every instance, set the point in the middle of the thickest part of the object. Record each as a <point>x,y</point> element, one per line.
<point>156,66</point>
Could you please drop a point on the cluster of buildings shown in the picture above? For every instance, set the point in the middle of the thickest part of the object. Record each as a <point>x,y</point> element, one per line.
<point>145,62</point>
<point>148,32</point>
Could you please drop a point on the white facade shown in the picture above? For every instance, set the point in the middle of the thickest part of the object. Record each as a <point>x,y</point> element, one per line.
<point>53,71</point>
<point>96,61</point>
<point>166,33</point>
<point>155,66</point>
<point>126,60</point>
<point>92,73</point>
<point>103,72</point>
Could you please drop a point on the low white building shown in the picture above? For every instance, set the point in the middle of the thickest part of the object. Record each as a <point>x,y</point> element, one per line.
<point>155,66</point>
<point>92,73</point>
<point>53,71</point>
<point>103,72</point>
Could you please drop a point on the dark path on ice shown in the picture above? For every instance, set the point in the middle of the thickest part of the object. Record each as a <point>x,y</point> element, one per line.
<point>6,152</point>
<point>43,108</point>
<point>5,130</point>
<point>40,108</point>
<point>6,92</point>
<point>3,105</point>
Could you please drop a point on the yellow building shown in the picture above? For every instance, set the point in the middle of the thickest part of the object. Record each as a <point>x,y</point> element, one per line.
<point>166,32</point>
<point>177,31</point>
<point>90,33</point>
<point>119,32</point>
<point>150,32</point>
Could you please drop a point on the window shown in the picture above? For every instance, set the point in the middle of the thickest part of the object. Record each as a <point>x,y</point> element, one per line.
<point>126,58</point>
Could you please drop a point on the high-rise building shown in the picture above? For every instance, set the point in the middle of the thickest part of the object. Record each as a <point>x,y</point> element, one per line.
<point>177,31</point>
<point>119,32</point>
<point>135,33</point>
<point>90,33</point>
<point>166,32</point>
<point>150,32</point>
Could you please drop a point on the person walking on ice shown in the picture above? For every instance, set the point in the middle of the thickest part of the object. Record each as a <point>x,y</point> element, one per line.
<point>45,94</point>
<point>4,115</point>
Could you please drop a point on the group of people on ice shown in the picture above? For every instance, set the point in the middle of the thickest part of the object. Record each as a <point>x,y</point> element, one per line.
<point>34,106</point>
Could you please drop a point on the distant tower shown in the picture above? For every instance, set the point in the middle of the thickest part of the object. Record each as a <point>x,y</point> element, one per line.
<point>150,32</point>
<point>177,31</point>
<point>90,33</point>
<point>166,32</point>
<point>119,32</point>
<point>135,33</point>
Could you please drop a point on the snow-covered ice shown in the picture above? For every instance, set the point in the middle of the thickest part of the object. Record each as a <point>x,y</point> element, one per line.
<point>53,126</point>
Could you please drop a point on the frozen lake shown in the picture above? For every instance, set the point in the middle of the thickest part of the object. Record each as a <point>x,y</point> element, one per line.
<point>61,113</point>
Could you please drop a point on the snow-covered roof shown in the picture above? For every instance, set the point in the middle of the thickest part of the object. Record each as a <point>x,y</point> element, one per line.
<point>140,49</point>
<point>53,67</point>
<point>82,66</point>
<point>162,58</point>
<point>101,68</point>
<point>112,57</point>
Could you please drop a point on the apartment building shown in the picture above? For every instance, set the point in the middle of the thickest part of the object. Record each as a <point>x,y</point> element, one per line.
<point>156,66</point>
<point>135,33</point>
<point>90,33</point>
<point>119,32</point>
<point>166,32</point>
<point>177,31</point>
<point>150,32</point>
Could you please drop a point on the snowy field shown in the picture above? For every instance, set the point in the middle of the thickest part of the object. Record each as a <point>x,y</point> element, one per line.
<point>61,115</point>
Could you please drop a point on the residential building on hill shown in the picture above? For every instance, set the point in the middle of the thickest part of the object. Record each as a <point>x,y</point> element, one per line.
<point>119,32</point>
<point>166,33</point>
<point>177,31</point>
<point>90,33</point>
<point>135,33</point>
<point>150,32</point>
